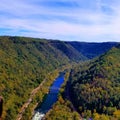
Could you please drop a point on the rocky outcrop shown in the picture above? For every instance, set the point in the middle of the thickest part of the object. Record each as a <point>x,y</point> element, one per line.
<point>1,106</point>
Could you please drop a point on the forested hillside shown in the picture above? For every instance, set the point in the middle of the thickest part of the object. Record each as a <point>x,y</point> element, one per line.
<point>91,50</point>
<point>24,62</point>
<point>95,87</point>
<point>68,50</point>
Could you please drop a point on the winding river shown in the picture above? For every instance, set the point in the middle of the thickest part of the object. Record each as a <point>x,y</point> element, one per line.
<point>50,99</point>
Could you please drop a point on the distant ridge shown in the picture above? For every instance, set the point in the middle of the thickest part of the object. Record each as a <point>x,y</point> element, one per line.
<point>91,50</point>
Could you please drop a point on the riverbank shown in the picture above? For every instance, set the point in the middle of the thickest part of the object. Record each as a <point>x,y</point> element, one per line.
<point>62,109</point>
<point>36,97</point>
<point>42,92</point>
<point>50,99</point>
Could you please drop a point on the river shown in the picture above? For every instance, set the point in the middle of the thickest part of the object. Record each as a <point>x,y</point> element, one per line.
<point>50,99</point>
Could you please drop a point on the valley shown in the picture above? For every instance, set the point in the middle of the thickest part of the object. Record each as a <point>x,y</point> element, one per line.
<point>25,63</point>
<point>95,87</point>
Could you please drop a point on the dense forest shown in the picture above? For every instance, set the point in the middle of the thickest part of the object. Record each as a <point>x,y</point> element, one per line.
<point>24,63</point>
<point>95,87</point>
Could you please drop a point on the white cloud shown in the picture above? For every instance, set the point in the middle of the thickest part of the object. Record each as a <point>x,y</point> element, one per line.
<point>77,23</point>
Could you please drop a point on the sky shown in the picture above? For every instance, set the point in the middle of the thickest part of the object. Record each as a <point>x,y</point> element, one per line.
<point>69,20</point>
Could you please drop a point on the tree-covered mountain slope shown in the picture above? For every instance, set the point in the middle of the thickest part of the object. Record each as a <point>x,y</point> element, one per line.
<point>91,50</point>
<point>24,62</point>
<point>95,86</point>
<point>68,50</point>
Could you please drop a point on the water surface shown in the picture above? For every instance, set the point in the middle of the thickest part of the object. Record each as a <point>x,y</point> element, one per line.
<point>50,99</point>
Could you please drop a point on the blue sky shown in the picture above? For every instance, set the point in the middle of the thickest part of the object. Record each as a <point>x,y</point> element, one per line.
<point>70,20</point>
